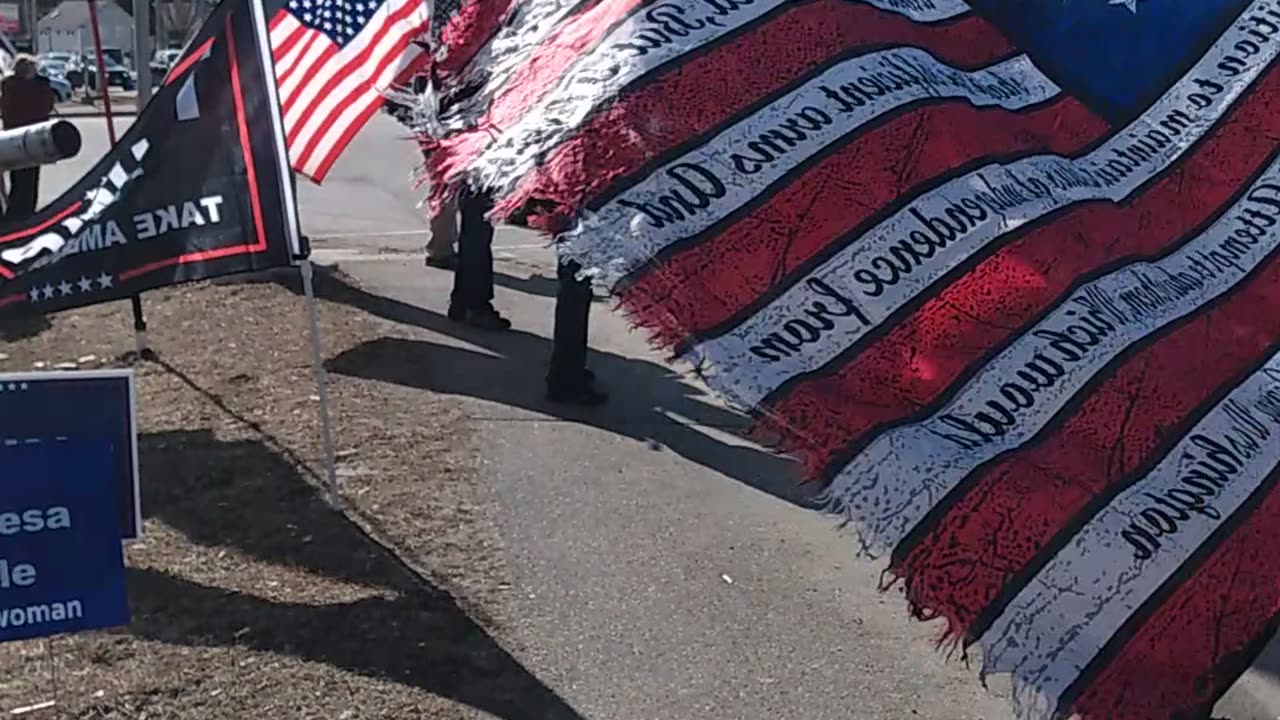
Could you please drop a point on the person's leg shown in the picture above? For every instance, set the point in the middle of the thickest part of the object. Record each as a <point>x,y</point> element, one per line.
<point>444,236</point>
<point>24,185</point>
<point>471,301</point>
<point>33,190</point>
<point>568,379</point>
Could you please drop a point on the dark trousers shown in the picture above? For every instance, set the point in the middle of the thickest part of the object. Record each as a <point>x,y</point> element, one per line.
<point>569,345</point>
<point>24,186</point>
<point>473,276</point>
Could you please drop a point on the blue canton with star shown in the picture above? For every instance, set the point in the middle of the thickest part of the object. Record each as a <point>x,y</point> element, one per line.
<point>340,20</point>
<point>1115,56</point>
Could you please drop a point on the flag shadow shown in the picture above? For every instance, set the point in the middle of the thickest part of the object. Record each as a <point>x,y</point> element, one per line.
<point>646,394</point>
<point>406,630</point>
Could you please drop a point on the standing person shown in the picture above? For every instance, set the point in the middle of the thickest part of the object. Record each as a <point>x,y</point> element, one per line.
<point>472,299</point>
<point>25,99</point>
<point>444,225</point>
<point>568,379</point>
<point>444,237</point>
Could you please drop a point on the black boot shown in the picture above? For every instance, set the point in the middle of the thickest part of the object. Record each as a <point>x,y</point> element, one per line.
<point>580,391</point>
<point>485,318</point>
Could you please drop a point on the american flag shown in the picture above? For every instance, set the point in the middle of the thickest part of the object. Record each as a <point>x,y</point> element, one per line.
<point>335,59</point>
<point>1002,275</point>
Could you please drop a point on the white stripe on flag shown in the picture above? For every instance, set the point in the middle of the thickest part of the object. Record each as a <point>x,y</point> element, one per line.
<point>316,47</point>
<point>892,484</point>
<point>187,104</point>
<point>286,26</point>
<point>760,354</point>
<point>507,50</point>
<point>295,52</point>
<point>923,10</point>
<point>1063,617</point>
<point>606,71</point>
<point>384,35</point>
<point>700,188</point>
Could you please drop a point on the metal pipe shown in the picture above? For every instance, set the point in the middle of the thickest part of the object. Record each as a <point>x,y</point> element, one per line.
<point>40,144</point>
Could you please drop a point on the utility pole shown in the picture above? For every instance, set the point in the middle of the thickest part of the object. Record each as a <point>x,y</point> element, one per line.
<point>142,49</point>
<point>162,26</point>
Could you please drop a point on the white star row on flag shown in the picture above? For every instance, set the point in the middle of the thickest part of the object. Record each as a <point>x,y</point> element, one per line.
<point>65,289</point>
<point>13,387</point>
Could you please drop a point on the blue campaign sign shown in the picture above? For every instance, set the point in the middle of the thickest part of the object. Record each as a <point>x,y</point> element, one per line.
<point>61,560</point>
<point>79,404</point>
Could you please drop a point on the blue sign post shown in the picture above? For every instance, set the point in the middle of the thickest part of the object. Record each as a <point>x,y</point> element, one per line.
<point>61,560</point>
<point>79,404</point>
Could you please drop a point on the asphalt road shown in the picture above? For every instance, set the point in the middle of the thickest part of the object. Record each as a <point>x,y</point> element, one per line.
<point>661,567</point>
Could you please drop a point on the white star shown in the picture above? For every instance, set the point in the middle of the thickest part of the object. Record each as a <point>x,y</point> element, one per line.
<point>35,294</point>
<point>13,386</point>
<point>1132,5</point>
<point>86,285</point>
<point>23,386</point>
<point>64,287</point>
<point>48,291</point>
<point>104,280</point>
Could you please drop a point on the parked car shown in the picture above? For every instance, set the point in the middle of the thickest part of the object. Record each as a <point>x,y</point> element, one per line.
<point>114,54</point>
<point>117,74</point>
<point>75,71</point>
<point>161,62</point>
<point>56,72</point>
<point>57,56</point>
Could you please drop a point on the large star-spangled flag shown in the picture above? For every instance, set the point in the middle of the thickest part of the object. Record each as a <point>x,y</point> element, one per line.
<point>1004,275</point>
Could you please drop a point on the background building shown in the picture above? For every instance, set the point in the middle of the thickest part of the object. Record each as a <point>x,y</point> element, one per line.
<point>67,27</point>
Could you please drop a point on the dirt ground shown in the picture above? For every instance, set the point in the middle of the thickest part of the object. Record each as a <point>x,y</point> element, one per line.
<point>249,593</point>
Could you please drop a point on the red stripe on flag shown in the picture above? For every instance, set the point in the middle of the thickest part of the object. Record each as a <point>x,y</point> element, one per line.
<point>308,67</point>
<point>1010,510</point>
<point>282,48</point>
<point>639,126</point>
<point>330,78</point>
<point>914,362</point>
<point>185,63</point>
<point>371,107</point>
<point>548,62</point>
<point>468,31</point>
<point>1202,637</point>
<point>539,74</point>
<point>689,294</point>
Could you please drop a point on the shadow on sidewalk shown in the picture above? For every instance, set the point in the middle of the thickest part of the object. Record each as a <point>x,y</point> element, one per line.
<point>512,373</point>
<point>411,633</point>
<point>533,285</point>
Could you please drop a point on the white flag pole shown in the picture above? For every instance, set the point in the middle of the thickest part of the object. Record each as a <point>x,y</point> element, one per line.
<point>301,251</point>
<point>322,383</point>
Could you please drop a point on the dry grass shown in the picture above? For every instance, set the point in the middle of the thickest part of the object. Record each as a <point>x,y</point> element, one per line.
<point>249,594</point>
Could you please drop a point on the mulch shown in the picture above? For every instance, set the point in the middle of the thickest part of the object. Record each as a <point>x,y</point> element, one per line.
<point>249,593</point>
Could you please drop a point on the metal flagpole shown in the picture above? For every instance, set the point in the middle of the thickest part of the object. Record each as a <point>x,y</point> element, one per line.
<point>139,321</point>
<point>142,61</point>
<point>322,382</point>
<point>301,254</point>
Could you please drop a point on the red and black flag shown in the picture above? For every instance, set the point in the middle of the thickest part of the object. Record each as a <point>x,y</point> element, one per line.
<point>198,187</point>
<point>1002,275</point>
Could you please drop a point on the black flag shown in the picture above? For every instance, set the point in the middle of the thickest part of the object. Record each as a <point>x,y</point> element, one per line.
<point>198,187</point>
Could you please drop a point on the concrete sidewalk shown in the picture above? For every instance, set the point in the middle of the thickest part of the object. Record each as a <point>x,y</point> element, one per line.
<point>664,568</point>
